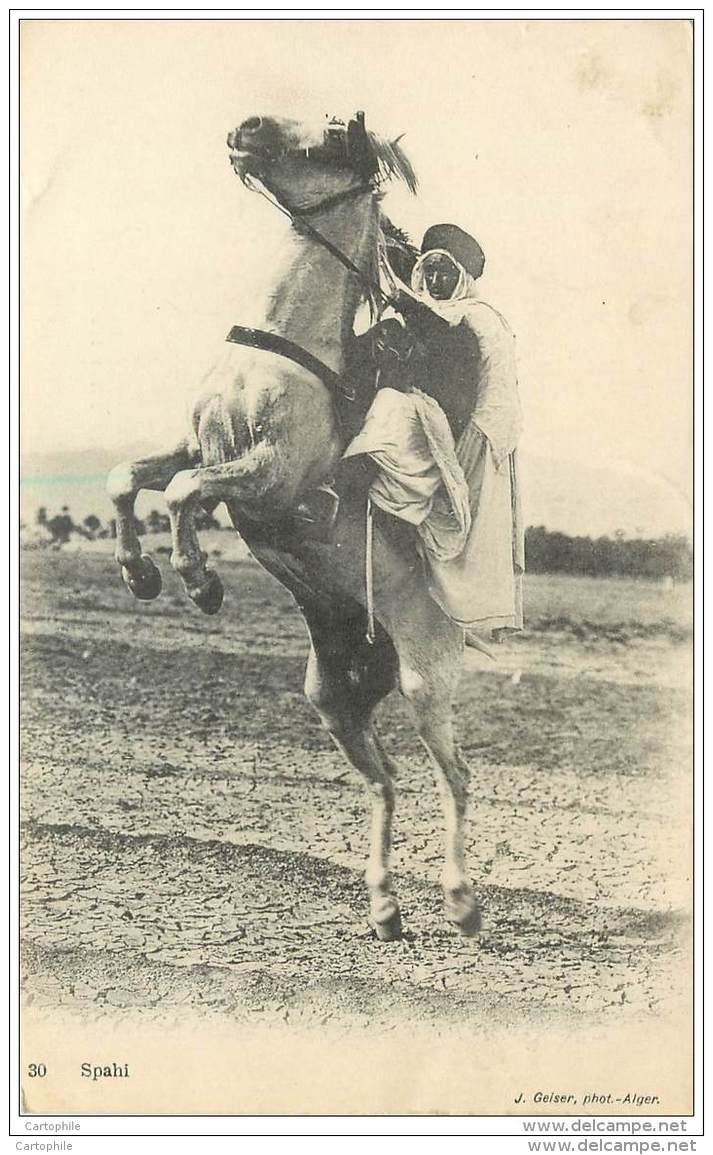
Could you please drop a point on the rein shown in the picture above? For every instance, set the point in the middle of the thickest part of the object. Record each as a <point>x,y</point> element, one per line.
<point>298,219</point>
<point>272,342</point>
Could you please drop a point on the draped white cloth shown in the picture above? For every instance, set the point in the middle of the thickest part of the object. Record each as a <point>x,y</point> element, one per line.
<point>420,478</point>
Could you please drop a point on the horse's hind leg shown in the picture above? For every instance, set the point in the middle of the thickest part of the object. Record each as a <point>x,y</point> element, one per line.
<point>452,776</point>
<point>123,484</point>
<point>430,650</point>
<point>345,679</point>
<point>361,749</point>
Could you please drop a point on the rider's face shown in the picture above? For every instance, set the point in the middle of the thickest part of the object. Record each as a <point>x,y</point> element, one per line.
<point>441,275</point>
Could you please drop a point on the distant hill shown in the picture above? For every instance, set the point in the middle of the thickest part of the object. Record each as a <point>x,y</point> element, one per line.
<point>578,498</point>
<point>76,478</point>
<point>568,496</point>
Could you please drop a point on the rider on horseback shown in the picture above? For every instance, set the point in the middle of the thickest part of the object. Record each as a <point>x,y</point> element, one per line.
<point>473,548</point>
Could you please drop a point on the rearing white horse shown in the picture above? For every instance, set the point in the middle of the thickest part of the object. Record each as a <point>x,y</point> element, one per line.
<point>264,432</point>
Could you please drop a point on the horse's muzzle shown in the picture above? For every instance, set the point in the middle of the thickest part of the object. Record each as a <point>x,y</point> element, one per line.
<point>244,136</point>
<point>244,156</point>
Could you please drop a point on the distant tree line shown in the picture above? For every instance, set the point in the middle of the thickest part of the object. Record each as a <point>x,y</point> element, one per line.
<point>546,551</point>
<point>660,557</point>
<point>61,526</point>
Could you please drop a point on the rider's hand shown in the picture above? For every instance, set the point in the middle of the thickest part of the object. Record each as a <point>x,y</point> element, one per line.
<point>402,302</point>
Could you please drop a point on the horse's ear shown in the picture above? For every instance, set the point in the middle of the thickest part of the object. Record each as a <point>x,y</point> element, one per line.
<point>376,158</point>
<point>359,148</point>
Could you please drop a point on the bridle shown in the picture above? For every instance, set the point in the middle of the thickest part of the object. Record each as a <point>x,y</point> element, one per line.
<point>347,144</point>
<point>336,138</point>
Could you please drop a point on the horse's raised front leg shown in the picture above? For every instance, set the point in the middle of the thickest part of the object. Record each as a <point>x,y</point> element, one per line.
<point>251,478</point>
<point>430,652</point>
<point>123,484</point>
<point>344,681</point>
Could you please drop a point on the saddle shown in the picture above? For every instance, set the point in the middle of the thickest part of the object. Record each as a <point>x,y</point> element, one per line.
<point>384,355</point>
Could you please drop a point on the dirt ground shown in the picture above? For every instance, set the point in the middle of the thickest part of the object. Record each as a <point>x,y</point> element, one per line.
<point>192,842</point>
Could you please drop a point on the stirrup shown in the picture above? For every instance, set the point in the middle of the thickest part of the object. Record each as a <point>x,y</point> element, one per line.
<point>315,517</point>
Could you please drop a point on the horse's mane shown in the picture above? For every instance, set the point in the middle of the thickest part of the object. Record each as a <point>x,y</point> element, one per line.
<point>396,234</point>
<point>392,160</point>
<point>401,252</point>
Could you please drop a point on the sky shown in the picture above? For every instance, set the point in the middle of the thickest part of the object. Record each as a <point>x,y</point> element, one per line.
<point>563,146</point>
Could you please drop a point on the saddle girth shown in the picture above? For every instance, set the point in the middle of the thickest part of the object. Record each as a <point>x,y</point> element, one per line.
<point>274,343</point>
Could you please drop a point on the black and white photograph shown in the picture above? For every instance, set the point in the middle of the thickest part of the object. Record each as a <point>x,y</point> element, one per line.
<point>356,560</point>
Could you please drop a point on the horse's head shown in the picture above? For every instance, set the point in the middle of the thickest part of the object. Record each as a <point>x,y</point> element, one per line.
<point>301,165</point>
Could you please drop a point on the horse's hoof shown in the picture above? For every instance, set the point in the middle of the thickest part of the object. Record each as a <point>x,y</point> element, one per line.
<point>464,911</point>
<point>385,920</point>
<point>471,924</point>
<point>209,598</point>
<point>146,584</point>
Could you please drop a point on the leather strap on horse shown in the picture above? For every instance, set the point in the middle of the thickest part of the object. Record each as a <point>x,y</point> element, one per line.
<point>273,343</point>
<point>369,575</point>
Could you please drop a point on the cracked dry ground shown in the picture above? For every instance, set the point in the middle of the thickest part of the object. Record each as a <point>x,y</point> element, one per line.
<point>191,840</point>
